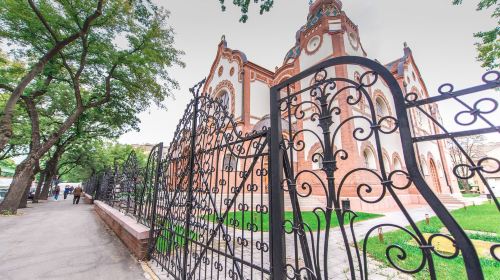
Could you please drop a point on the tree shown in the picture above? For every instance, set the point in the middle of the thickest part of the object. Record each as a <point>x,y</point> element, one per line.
<point>20,21</point>
<point>265,6</point>
<point>489,46</point>
<point>109,122</point>
<point>95,157</point>
<point>6,166</point>
<point>467,146</point>
<point>19,141</point>
<point>121,60</point>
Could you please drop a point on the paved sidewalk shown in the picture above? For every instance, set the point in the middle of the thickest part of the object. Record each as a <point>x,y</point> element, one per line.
<point>58,240</point>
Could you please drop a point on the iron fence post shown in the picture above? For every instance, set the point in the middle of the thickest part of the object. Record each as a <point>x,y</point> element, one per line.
<point>189,202</point>
<point>276,199</point>
<point>155,198</point>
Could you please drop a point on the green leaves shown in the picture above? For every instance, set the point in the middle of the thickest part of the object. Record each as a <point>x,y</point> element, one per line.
<point>92,90</point>
<point>488,46</point>
<point>244,6</point>
<point>85,158</point>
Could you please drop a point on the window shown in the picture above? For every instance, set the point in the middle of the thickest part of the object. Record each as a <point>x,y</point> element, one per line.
<point>381,107</point>
<point>420,117</point>
<point>369,159</point>
<point>223,97</point>
<point>397,164</point>
<point>230,163</point>
<point>317,162</point>
<point>423,167</point>
<point>387,164</point>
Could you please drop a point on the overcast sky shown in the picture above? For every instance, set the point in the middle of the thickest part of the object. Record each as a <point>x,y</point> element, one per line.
<point>439,34</point>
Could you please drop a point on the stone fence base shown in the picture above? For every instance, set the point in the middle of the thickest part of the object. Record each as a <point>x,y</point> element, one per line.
<point>134,235</point>
<point>88,199</point>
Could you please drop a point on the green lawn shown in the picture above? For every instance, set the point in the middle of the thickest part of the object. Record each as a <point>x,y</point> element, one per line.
<point>470,195</point>
<point>309,218</point>
<point>484,217</point>
<point>170,238</point>
<point>480,218</point>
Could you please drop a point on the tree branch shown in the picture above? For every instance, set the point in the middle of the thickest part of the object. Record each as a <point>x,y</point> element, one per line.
<point>6,87</point>
<point>8,112</point>
<point>43,20</point>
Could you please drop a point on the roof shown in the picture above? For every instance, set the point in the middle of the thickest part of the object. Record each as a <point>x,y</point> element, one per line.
<point>397,66</point>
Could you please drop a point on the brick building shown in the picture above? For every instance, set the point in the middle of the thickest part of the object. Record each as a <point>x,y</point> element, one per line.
<point>244,87</point>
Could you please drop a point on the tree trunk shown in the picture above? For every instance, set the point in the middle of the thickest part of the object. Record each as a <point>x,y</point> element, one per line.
<point>465,185</point>
<point>49,177</point>
<point>51,171</point>
<point>39,187</point>
<point>24,199</point>
<point>17,188</point>
<point>44,194</point>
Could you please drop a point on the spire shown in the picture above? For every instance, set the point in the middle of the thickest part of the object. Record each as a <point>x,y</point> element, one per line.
<point>323,4</point>
<point>320,8</point>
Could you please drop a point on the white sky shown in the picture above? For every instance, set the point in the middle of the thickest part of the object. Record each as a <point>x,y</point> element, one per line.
<point>439,34</point>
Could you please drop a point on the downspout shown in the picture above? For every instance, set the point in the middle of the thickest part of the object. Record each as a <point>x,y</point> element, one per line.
<point>242,73</point>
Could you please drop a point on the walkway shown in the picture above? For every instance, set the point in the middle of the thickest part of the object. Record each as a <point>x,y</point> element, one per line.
<point>58,240</point>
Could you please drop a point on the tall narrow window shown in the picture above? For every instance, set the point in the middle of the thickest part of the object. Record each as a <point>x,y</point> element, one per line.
<point>224,99</point>
<point>387,164</point>
<point>397,164</point>
<point>229,162</point>
<point>381,107</point>
<point>369,159</point>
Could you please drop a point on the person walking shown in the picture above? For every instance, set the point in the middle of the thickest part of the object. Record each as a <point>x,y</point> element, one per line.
<point>76,194</point>
<point>66,191</point>
<point>57,189</point>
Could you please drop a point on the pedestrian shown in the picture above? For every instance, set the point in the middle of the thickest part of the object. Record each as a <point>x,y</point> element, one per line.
<point>71,189</point>
<point>66,191</point>
<point>57,189</point>
<point>76,194</point>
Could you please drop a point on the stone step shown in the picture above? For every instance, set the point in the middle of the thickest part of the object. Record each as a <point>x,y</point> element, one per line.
<point>447,199</point>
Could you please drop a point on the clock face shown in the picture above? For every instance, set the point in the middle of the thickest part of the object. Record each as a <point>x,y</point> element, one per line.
<point>313,44</point>
<point>353,39</point>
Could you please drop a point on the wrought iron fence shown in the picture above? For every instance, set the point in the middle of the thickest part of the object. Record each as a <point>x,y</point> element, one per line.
<point>129,188</point>
<point>213,174</point>
<point>226,205</point>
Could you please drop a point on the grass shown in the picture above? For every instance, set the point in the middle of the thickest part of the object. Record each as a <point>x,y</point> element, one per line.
<point>478,218</point>
<point>169,239</point>
<point>261,221</point>
<point>482,217</point>
<point>470,195</point>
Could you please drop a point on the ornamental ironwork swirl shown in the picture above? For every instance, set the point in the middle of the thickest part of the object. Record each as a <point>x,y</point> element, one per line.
<point>212,205</point>
<point>340,118</point>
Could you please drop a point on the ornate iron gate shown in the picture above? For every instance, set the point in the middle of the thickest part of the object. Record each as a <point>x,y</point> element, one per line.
<point>215,217</point>
<point>341,114</point>
<point>212,177</point>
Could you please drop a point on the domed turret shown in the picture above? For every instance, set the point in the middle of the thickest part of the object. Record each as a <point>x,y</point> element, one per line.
<point>326,7</point>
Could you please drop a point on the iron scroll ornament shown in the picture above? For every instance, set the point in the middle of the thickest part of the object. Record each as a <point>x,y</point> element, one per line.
<point>198,235</point>
<point>312,268</point>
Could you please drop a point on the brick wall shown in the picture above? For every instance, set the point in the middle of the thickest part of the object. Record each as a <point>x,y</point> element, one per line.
<point>135,236</point>
<point>87,199</point>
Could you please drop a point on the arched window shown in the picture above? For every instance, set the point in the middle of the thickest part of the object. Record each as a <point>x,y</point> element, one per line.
<point>423,167</point>
<point>387,163</point>
<point>381,107</point>
<point>229,163</point>
<point>317,162</point>
<point>223,97</point>
<point>397,164</point>
<point>369,159</point>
